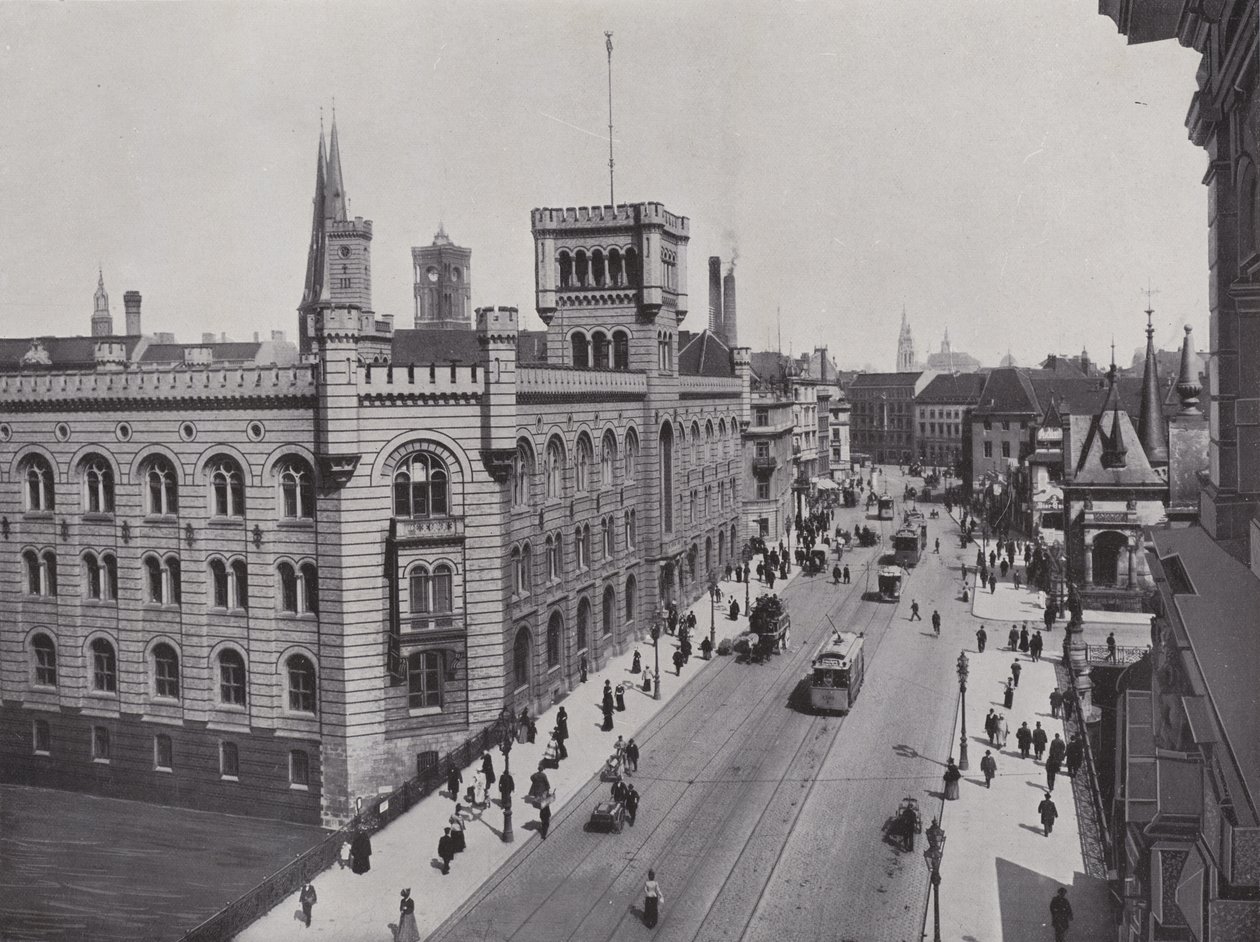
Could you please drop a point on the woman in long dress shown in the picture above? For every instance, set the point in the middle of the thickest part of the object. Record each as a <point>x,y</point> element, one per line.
<point>360,853</point>
<point>408,931</point>
<point>652,899</point>
<point>952,775</point>
<point>457,829</point>
<point>1003,730</point>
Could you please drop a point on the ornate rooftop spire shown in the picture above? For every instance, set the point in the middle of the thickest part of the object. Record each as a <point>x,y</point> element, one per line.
<point>315,257</point>
<point>336,198</point>
<point>1114,451</point>
<point>1151,431</point>
<point>1188,385</point>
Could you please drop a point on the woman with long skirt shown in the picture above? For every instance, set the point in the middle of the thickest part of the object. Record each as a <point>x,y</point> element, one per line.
<point>652,899</point>
<point>408,931</point>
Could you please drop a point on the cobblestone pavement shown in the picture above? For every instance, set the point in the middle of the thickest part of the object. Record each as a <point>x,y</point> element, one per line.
<point>761,820</point>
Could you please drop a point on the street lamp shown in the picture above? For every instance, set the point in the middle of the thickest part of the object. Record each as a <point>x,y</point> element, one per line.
<point>935,851</point>
<point>747,557</point>
<point>656,637</point>
<point>963,670</point>
<point>506,748</point>
<point>713,591</point>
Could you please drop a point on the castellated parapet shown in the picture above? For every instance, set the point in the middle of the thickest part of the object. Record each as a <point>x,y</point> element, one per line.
<point>141,384</point>
<point>493,321</point>
<point>623,213</point>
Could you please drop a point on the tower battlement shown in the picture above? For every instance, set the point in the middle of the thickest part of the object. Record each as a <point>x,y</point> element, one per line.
<point>497,319</point>
<point>143,384</point>
<point>598,216</point>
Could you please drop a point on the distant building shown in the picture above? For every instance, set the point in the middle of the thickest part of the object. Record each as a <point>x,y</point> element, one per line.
<point>948,360</point>
<point>882,417</point>
<point>940,416</point>
<point>906,360</point>
<point>443,284</point>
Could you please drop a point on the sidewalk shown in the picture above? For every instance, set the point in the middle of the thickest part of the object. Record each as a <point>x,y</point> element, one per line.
<point>1009,605</point>
<point>999,871</point>
<point>404,855</point>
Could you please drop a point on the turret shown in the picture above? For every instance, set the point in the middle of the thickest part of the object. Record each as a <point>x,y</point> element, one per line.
<point>110,354</point>
<point>102,321</point>
<point>496,336</point>
<point>337,332</point>
<point>741,357</point>
<point>1151,417</point>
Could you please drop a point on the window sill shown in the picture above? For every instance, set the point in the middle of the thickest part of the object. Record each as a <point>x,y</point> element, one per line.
<point>41,752</point>
<point>97,518</point>
<point>296,523</point>
<point>225,523</point>
<point>229,778</point>
<point>163,769</point>
<point>425,711</point>
<point>161,518</point>
<point>97,761</point>
<point>295,787</point>
<point>39,515</point>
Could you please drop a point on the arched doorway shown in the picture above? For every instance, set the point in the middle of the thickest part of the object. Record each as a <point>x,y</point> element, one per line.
<point>522,666</point>
<point>583,623</point>
<point>609,619</point>
<point>1105,557</point>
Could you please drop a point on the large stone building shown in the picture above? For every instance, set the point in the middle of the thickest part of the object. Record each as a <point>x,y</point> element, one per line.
<point>940,418</point>
<point>949,360</point>
<point>273,589</point>
<point>882,417</point>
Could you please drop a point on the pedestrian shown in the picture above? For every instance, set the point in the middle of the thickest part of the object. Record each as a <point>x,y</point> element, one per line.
<point>981,637</point>
<point>988,765</point>
<point>835,575</point>
<point>1008,694</point>
<point>1074,754</point>
<point>1012,639</point>
<point>307,898</point>
<point>407,930</point>
<point>914,611</point>
<point>487,769</point>
<point>445,851</point>
<point>1035,645</point>
<point>636,664</point>
<point>608,695</point>
<point>990,726</point>
<point>992,559</point>
<point>1015,671</point>
<point>532,730</point>
<point>1023,736</point>
<point>1015,578</point>
<point>360,852</point>
<point>632,756</point>
<point>544,821</point>
<point>1060,914</point>
<point>734,610</point>
<point>647,680</point>
<point>938,547</point>
<point>608,715</point>
<point>1052,770</point>
<point>1056,702</point>
<point>936,621</point>
<point>1111,647</point>
<point>992,584</point>
<point>562,733</point>
<point>706,648</point>
<point>846,575</point>
<point>1048,813</point>
<point>1048,616</point>
<point>454,778</point>
<point>1023,638</point>
<point>1039,740</point>
<point>678,661</point>
<point>652,900</point>
<point>506,787</point>
<point>343,854</point>
<point>952,775</point>
<point>1004,567</point>
<point>1057,749</point>
<point>1003,731</point>
<point>619,694</point>
<point>1069,704</point>
<point>459,841</point>
<point>632,804</point>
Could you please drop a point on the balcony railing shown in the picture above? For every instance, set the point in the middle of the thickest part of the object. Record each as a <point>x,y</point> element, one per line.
<point>430,529</point>
<point>764,466</point>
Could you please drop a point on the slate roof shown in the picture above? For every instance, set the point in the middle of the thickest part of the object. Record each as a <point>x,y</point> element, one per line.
<point>1083,449</point>
<point>1219,617</point>
<point>64,353</point>
<point>219,352</point>
<point>1008,391</point>
<point>955,388</point>
<point>434,345</point>
<point>705,355</point>
<point>885,379</point>
<point>769,366</point>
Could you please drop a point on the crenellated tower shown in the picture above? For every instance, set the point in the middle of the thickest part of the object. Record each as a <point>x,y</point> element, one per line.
<point>102,320</point>
<point>443,283</point>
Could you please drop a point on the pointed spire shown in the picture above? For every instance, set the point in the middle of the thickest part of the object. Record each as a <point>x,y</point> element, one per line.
<point>1151,430</point>
<point>1188,385</point>
<point>336,188</point>
<point>315,260</point>
<point>1114,451</point>
<point>440,237</point>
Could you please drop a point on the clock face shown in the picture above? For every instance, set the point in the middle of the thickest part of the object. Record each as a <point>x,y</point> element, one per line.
<point>345,251</point>
<point>433,274</point>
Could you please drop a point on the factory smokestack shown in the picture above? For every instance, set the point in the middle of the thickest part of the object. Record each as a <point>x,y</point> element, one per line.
<point>729,331</point>
<point>131,305</point>
<point>715,295</point>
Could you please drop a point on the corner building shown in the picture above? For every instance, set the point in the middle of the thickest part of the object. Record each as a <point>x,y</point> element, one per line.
<point>271,590</point>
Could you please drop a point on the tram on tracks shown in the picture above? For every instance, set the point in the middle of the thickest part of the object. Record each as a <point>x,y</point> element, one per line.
<point>890,583</point>
<point>837,673</point>
<point>906,547</point>
<point>885,508</point>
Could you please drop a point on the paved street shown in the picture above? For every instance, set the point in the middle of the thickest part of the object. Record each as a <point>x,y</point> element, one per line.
<point>762,821</point>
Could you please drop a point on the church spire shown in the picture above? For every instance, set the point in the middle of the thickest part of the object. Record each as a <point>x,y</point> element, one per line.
<point>336,198</point>
<point>102,321</point>
<point>1114,452</point>
<point>1151,431</point>
<point>315,258</point>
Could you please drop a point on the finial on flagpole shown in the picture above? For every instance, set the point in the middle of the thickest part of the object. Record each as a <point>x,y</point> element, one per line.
<point>612,194</point>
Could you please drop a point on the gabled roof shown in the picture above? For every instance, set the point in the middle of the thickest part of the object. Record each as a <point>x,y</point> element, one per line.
<point>64,353</point>
<point>1087,441</point>
<point>955,388</point>
<point>434,345</point>
<point>1008,391</point>
<point>886,379</point>
<point>705,355</point>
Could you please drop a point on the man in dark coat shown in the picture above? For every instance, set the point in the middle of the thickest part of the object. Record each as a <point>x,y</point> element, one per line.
<point>1039,740</point>
<point>487,769</point>
<point>1023,639</point>
<point>562,733</point>
<point>988,765</point>
<point>1057,750</point>
<point>544,820</point>
<point>632,756</point>
<point>1056,701</point>
<point>914,611</point>
<point>1012,639</point>
<point>361,853</point>
<point>678,661</point>
<point>307,898</point>
<point>1074,754</point>
<point>981,637</point>
<point>506,787</point>
<point>1048,813</point>
<point>1035,644</point>
<point>936,621</point>
<point>835,575</point>
<point>1060,915</point>
<point>992,584</point>
<point>445,851</point>
<point>1052,770</point>
<point>990,726</point>
<point>632,804</point>
<point>1023,736</point>
<point>846,575</point>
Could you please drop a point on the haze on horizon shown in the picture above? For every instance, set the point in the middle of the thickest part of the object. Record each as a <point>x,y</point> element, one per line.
<point>1015,173</point>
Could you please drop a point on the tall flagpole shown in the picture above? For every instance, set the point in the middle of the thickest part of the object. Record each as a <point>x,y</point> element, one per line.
<point>612,198</point>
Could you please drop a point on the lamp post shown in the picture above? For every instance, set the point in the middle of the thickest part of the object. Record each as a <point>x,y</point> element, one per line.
<point>713,590</point>
<point>935,851</point>
<point>656,650</point>
<point>963,669</point>
<point>506,748</point>
<point>747,557</point>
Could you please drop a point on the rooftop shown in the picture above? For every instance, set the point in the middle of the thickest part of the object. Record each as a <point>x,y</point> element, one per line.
<point>434,345</point>
<point>704,354</point>
<point>953,388</point>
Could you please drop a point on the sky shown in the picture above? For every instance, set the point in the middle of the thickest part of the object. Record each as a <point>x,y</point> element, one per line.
<point>1011,171</point>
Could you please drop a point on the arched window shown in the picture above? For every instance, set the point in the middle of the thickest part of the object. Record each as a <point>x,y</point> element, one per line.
<point>723,443</point>
<point>161,488</point>
<point>521,658</point>
<point>616,270</point>
<point>632,587</point>
<point>583,623</point>
<point>709,454</point>
<point>582,464</point>
<point>431,590</point>
<point>162,578</point>
<point>98,485</point>
<point>610,610</point>
<point>44,660</point>
<point>581,268</point>
<point>309,589</point>
<point>721,547</point>
<point>607,538</point>
<point>632,268</point>
<point>555,469</point>
<point>288,587</point>
<point>302,691</point>
<point>565,261</point>
<point>631,529</point>
<point>1248,212</point>
<point>555,637</point>
<point>632,454</point>
<point>553,571</point>
<point>667,477</point>
<point>38,479</point>
<point>227,488</point>
<point>581,350</point>
<point>620,350</point>
<point>421,487</point>
<point>232,678</point>
<point>608,460</point>
<point>522,561</point>
<point>599,350</point>
<point>522,474</point>
<point>424,680</point>
<point>598,271</point>
<point>41,572</point>
<point>104,667</point>
<point>231,584</point>
<point>582,546</point>
<point>297,489</point>
<point>100,577</point>
<point>695,444</point>
<point>165,671</point>
<point>239,588</point>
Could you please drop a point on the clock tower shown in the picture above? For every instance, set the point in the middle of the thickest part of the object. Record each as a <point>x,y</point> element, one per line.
<point>443,288</point>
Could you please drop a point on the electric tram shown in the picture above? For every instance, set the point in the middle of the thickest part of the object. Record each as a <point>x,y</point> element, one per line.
<point>890,581</point>
<point>885,508</point>
<point>906,546</point>
<point>838,670</point>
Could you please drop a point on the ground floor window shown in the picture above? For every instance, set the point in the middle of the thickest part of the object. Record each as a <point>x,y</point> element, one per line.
<point>41,738</point>
<point>299,769</point>
<point>229,760</point>
<point>100,744</point>
<point>162,753</point>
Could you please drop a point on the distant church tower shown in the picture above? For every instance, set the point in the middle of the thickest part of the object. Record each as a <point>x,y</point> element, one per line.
<point>443,289</point>
<point>905,346</point>
<point>102,322</point>
<point>339,261</point>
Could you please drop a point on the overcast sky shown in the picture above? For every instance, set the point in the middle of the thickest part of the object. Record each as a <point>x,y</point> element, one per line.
<point>1011,170</point>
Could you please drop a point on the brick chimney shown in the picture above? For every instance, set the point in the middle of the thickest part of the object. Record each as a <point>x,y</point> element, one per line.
<point>131,304</point>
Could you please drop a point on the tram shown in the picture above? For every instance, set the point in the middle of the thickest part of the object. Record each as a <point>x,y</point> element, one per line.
<point>890,580</point>
<point>906,546</point>
<point>838,670</point>
<point>885,507</point>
